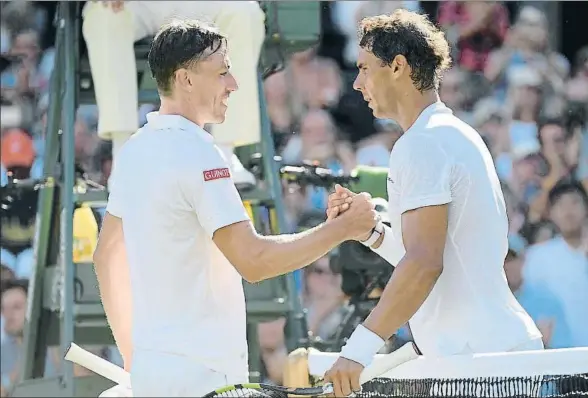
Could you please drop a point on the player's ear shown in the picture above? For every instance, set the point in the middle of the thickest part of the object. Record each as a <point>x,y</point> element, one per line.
<point>183,79</point>
<point>399,65</point>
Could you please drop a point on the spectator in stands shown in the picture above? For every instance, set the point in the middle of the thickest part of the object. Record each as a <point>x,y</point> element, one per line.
<point>111,27</point>
<point>308,82</point>
<point>375,150</point>
<point>525,98</point>
<point>323,299</point>
<point>474,29</point>
<point>541,232</point>
<point>273,349</point>
<point>6,275</point>
<point>17,152</point>
<point>559,265</point>
<point>14,304</point>
<point>319,142</point>
<point>527,44</point>
<point>453,89</point>
<point>489,119</point>
<point>523,179</point>
<point>538,301</point>
<point>17,220</point>
<point>556,166</point>
<point>577,86</point>
<point>582,171</point>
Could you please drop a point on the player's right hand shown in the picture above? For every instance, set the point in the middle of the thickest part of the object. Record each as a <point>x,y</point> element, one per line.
<point>339,202</point>
<point>361,217</point>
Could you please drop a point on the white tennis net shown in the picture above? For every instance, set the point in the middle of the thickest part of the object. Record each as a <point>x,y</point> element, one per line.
<point>549,373</point>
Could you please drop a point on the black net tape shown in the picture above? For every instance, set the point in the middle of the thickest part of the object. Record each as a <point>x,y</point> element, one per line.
<point>564,386</point>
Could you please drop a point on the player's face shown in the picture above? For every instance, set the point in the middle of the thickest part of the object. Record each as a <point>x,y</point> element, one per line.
<point>378,84</point>
<point>213,83</point>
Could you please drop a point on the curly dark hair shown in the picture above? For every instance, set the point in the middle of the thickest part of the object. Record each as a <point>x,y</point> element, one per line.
<point>413,36</point>
<point>180,44</point>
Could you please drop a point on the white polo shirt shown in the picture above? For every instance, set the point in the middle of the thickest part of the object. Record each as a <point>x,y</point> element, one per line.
<point>442,160</point>
<point>173,190</point>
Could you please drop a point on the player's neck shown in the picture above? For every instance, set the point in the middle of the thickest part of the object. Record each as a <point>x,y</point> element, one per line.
<point>413,104</point>
<point>180,108</point>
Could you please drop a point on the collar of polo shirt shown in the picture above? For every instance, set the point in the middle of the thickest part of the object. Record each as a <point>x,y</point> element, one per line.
<point>435,107</point>
<point>157,121</point>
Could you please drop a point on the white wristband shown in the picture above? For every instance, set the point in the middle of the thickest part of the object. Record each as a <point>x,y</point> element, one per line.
<point>376,233</point>
<point>362,345</point>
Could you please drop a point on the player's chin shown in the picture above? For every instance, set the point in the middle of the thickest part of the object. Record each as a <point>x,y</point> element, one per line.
<point>220,117</point>
<point>375,111</point>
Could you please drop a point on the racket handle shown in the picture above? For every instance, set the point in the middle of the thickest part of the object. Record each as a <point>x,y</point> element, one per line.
<point>100,366</point>
<point>385,363</point>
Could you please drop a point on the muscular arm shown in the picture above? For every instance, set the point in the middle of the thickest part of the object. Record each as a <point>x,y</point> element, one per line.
<point>221,214</point>
<point>423,232</point>
<point>258,257</point>
<point>112,271</point>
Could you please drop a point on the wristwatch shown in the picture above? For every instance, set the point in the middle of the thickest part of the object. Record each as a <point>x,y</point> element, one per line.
<point>376,233</point>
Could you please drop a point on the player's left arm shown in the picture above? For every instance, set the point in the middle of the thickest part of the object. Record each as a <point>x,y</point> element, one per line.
<point>424,231</point>
<point>423,172</point>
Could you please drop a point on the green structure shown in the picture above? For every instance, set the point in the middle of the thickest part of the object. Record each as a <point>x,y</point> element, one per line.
<point>64,303</point>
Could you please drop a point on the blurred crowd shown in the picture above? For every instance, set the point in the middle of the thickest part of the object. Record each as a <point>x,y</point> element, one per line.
<point>527,100</point>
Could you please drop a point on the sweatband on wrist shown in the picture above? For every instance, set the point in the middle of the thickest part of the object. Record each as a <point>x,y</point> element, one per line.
<point>362,345</point>
<point>390,249</point>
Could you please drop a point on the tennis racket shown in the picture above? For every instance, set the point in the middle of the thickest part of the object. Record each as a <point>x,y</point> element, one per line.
<point>380,365</point>
<point>268,390</point>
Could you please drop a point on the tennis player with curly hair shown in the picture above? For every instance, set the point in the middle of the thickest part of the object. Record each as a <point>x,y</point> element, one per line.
<point>448,233</point>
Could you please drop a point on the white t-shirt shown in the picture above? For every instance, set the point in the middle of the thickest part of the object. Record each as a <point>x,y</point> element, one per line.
<point>564,271</point>
<point>173,190</point>
<point>442,160</point>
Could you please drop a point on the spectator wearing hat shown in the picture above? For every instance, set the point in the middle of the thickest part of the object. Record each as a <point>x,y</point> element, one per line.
<point>17,152</point>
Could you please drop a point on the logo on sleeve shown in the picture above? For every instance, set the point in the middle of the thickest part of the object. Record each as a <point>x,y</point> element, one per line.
<point>216,174</point>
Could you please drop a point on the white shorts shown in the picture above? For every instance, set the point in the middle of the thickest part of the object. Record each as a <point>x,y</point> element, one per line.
<point>156,374</point>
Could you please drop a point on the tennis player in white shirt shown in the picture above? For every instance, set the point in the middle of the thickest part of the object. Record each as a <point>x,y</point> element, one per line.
<point>448,232</point>
<point>176,240</point>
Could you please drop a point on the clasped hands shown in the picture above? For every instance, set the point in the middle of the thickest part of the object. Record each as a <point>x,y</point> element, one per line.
<point>360,210</point>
